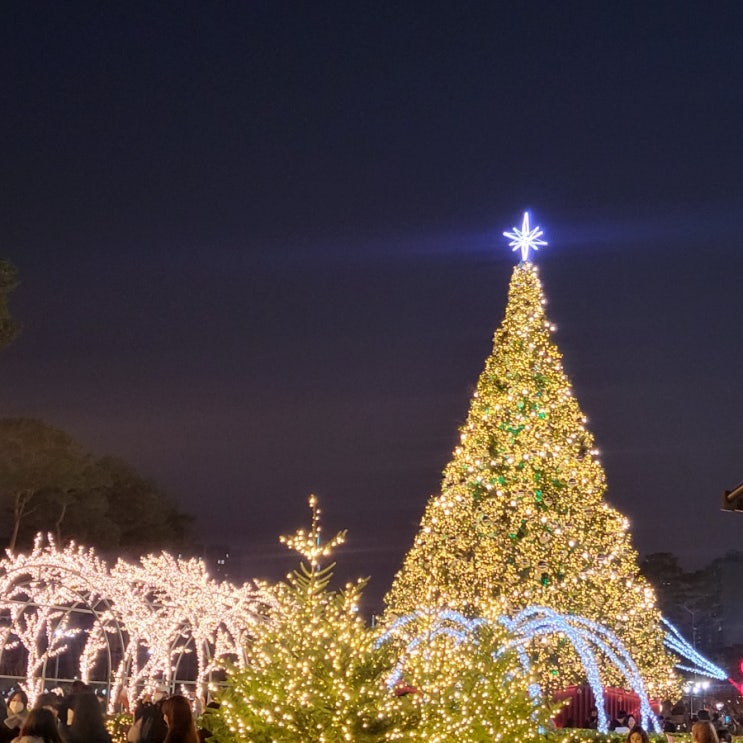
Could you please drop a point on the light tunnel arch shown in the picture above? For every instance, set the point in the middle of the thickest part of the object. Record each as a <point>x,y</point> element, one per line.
<point>140,617</point>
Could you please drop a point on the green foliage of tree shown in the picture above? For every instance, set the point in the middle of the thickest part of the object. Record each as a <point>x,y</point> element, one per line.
<point>36,461</point>
<point>144,518</point>
<point>9,328</point>
<point>316,674</point>
<point>49,483</point>
<point>466,690</point>
<point>313,674</point>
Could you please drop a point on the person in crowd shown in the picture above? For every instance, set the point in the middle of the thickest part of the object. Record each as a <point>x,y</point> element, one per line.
<point>592,722</point>
<point>637,735</point>
<point>179,719</point>
<point>87,724</point>
<point>68,703</point>
<point>619,722</point>
<point>51,701</point>
<point>149,723</point>
<point>39,726</point>
<point>48,700</point>
<point>703,731</point>
<point>17,714</point>
<point>144,701</point>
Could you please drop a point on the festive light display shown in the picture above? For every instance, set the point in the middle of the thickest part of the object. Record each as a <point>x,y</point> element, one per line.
<point>699,664</point>
<point>464,679</point>
<point>534,622</point>
<point>316,674</point>
<point>521,518</point>
<point>526,238</point>
<point>146,615</point>
<point>312,674</point>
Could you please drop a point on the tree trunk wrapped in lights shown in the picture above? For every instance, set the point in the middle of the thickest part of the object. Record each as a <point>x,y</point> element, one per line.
<point>521,518</point>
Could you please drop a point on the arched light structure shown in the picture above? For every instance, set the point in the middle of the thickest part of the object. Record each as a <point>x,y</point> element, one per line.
<point>128,626</point>
<point>589,639</point>
<point>696,663</point>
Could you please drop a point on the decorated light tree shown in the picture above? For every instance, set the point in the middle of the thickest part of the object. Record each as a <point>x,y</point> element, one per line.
<point>521,518</point>
<point>316,674</point>
<point>313,673</point>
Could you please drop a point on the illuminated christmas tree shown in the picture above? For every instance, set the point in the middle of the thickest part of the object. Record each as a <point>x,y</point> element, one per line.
<point>313,673</point>
<point>521,518</point>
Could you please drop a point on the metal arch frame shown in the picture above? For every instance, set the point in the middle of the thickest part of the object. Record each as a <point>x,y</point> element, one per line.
<point>132,604</point>
<point>85,606</point>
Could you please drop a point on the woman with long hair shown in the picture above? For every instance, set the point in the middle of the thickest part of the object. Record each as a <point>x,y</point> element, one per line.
<point>87,724</point>
<point>704,732</point>
<point>40,726</point>
<point>179,719</point>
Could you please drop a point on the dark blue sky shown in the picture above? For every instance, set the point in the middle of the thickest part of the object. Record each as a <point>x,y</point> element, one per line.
<point>261,252</point>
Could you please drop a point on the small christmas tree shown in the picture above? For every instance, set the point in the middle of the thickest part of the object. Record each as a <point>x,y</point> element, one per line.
<point>313,674</point>
<point>521,518</point>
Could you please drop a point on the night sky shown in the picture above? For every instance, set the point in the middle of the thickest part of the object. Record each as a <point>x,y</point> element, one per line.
<point>261,254</point>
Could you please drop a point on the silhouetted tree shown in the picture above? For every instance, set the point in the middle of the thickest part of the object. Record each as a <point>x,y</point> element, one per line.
<point>48,483</point>
<point>35,460</point>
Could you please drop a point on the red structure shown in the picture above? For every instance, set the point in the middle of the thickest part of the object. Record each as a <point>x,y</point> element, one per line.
<point>580,699</point>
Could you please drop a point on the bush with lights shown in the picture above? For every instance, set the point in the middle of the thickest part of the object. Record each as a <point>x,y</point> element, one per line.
<point>463,687</point>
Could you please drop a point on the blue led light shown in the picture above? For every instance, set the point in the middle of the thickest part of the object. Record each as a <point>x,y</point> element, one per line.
<point>700,664</point>
<point>588,638</point>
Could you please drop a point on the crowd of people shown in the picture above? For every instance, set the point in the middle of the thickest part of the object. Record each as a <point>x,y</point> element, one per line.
<point>704,728</point>
<point>161,718</point>
<point>79,717</point>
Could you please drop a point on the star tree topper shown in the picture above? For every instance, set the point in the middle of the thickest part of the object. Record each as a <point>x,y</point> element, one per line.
<point>526,238</point>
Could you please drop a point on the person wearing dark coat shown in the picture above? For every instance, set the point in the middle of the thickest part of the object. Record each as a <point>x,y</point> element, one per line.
<point>87,724</point>
<point>68,703</point>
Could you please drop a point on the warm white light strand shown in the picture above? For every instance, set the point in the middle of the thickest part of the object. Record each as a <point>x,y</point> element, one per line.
<point>157,610</point>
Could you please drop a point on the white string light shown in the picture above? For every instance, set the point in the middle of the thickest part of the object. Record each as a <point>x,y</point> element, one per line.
<point>155,611</point>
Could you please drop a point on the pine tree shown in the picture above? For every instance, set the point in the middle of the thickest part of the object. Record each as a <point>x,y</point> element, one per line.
<point>521,518</point>
<point>313,673</point>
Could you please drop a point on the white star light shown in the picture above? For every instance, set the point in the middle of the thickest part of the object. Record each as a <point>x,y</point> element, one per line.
<point>525,239</point>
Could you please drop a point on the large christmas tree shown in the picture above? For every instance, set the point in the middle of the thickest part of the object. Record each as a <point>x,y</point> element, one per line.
<point>521,518</point>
